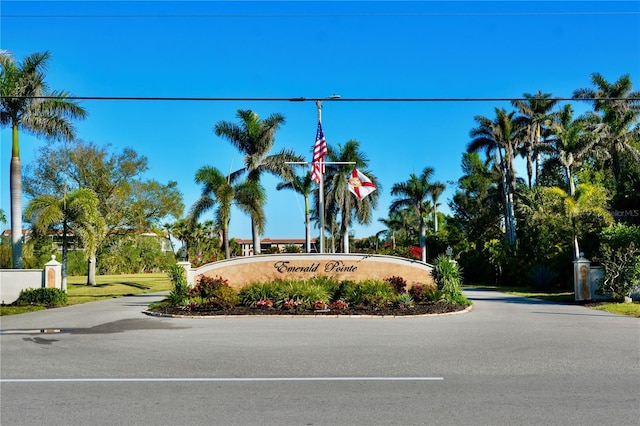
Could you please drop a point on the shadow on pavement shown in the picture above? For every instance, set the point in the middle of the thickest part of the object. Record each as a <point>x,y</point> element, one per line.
<point>491,296</point>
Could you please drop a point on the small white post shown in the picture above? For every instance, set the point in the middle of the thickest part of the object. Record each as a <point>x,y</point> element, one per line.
<point>52,274</point>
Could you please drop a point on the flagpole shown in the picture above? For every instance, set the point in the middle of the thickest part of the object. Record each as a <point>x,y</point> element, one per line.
<point>321,188</point>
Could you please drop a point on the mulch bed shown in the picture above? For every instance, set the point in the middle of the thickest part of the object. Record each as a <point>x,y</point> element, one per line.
<point>418,309</point>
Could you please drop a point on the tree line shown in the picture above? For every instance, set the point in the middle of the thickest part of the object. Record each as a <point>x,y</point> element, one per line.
<point>503,227</point>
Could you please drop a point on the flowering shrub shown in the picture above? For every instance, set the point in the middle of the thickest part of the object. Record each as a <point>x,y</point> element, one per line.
<point>414,252</point>
<point>191,306</point>
<point>398,283</point>
<point>339,305</point>
<point>264,303</point>
<point>319,305</point>
<point>424,293</point>
<point>418,292</point>
<point>291,304</point>
<point>207,286</point>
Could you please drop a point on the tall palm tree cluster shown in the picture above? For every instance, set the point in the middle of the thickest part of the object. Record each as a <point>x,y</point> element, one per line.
<point>578,168</point>
<point>254,138</point>
<point>414,198</point>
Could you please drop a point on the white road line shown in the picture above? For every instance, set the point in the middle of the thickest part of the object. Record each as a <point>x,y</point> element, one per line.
<point>226,379</point>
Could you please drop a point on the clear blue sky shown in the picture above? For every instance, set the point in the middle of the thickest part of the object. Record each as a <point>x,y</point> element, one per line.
<point>281,49</point>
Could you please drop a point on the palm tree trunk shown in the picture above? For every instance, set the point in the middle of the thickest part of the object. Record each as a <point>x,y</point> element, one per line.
<point>225,241</point>
<point>307,224</point>
<point>344,235</point>
<point>530,169</point>
<point>65,229</point>
<point>572,186</point>
<point>423,240</point>
<point>576,246</point>
<point>537,159</point>
<point>256,238</point>
<point>435,217</point>
<point>615,161</point>
<point>15,185</point>
<point>91,272</point>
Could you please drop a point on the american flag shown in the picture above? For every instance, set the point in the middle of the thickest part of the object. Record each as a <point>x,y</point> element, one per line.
<point>319,152</point>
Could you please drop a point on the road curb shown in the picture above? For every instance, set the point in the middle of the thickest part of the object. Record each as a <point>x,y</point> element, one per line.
<point>161,315</point>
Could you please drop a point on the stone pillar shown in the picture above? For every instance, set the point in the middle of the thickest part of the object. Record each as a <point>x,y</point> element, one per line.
<point>189,273</point>
<point>581,278</point>
<point>52,274</point>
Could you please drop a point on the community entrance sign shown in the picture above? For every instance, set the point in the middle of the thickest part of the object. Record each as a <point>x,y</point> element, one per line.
<point>241,271</point>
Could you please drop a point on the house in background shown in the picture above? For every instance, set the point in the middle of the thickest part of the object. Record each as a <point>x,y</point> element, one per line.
<point>268,245</point>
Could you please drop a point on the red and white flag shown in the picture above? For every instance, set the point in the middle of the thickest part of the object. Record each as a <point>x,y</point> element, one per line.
<point>360,185</point>
<point>319,152</point>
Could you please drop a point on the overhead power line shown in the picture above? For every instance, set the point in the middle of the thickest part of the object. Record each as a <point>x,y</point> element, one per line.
<point>302,99</point>
<point>316,15</point>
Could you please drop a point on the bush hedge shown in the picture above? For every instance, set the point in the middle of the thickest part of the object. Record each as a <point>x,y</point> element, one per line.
<point>42,296</point>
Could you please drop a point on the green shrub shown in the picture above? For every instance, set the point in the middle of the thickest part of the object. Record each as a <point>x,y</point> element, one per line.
<point>225,297</point>
<point>370,293</point>
<point>254,292</point>
<point>405,300</point>
<point>447,276</point>
<point>434,295</point>
<point>334,288</point>
<point>301,291</point>
<point>292,248</point>
<point>620,258</point>
<point>180,292</point>
<point>541,277</point>
<point>42,296</point>
<point>458,299</point>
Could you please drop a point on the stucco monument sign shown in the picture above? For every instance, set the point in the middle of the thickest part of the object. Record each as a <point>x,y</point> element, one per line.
<point>241,271</point>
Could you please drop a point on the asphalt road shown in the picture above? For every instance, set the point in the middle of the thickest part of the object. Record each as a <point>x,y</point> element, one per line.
<point>509,361</point>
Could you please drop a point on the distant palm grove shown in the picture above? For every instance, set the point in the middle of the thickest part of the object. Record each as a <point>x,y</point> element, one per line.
<point>579,192</point>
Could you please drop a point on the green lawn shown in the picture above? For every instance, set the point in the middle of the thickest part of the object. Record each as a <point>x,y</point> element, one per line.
<point>15,310</point>
<point>109,286</point>
<point>631,309</point>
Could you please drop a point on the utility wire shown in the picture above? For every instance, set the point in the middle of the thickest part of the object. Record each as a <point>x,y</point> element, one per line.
<point>302,99</point>
<point>318,15</point>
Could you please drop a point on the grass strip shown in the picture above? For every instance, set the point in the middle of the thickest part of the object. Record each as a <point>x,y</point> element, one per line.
<point>108,287</point>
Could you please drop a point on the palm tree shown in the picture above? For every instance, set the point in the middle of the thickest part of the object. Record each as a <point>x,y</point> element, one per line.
<point>216,190</point>
<point>22,106</point>
<point>435,190</point>
<point>414,194</point>
<point>76,212</point>
<point>535,113</point>
<point>304,186</point>
<point>589,201</point>
<point>167,228</point>
<point>500,138</point>
<point>338,197</point>
<point>570,142</point>
<point>254,138</point>
<point>619,108</point>
<point>182,230</point>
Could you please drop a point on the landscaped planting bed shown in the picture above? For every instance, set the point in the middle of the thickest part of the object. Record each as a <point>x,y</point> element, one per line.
<point>316,296</point>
